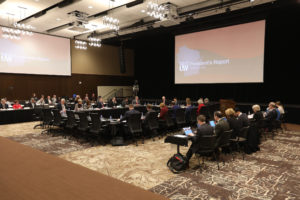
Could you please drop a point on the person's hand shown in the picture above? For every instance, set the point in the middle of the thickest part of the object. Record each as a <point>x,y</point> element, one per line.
<point>118,120</point>
<point>191,134</point>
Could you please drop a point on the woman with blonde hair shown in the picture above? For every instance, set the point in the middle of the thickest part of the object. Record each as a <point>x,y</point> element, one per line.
<point>257,114</point>
<point>235,124</point>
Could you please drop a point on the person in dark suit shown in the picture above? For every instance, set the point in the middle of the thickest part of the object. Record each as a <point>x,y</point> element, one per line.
<point>202,130</point>
<point>48,100</point>
<point>129,113</point>
<point>241,116</point>
<point>32,103</point>
<point>100,103</point>
<point>188,110</point>
<point>3,104</point>
<point>221,124</point>
<point>271,114</point>
<point>175,107</point>
<point>34,97</point>
<point>113,103</point>
<point>235,124</point>
<point>125,102</point>
<point>149,110</point>
<point>136,101</point>
<point>62,107</point>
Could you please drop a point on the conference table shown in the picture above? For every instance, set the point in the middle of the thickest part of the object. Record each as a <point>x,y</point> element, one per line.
<point>16,116</point>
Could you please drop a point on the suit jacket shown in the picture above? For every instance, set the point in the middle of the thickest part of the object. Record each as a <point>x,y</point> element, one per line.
<point>236,125</point>
<point>271,115</point>
<point>188,113</point>
<point>221,126</point>
<point>147,116</point>
<point>124,103</point>
<point>31,105</point>
<point>258,116</point>
<point>203,130</point>
<point>175,108</point>
<point>244,118</point>
<point>47,101</point>
<point>3,107</point>
<point>59,106</point>
<point>128,114</point>
<point>112,104</point>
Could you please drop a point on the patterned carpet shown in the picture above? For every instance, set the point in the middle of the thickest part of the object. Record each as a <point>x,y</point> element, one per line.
<point>272,173</point>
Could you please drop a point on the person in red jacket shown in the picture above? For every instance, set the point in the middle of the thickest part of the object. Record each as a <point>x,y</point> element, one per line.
<point>200,105</point>
<point>163,111</point>
<point>16,105</point>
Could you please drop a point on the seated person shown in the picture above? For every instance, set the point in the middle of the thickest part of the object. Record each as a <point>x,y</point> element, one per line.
<point>113,103</point>
<point>54,99</point>
<point>149,110</point>
<point>78,106</point>
<point>163,111</point>
<point>93,98</point>
<point>175,101</point>
<point>125,102</point>
<point>62,107</point>
<point>136,101</point>
<point>76,98</point>
<point>129,113</point>
<point>188,110</point>
<point>279,107</point>
<point>32,103</point>
<point>200,105</point>
<point>257,114</point>
<point>235,124</point>
<point>271,113</point>
<point>48,100</point>
<point>16,105</point>
<point>221,124</point>
<point>241,116</point>
<point>206,102</point>
<point>3,104</point>
<point>175,107</point>
<point>202,130</point>
<point>164,100</point>
<point>41,101</point>
<point>87,105</point>
<point>34,96</point>
<point>85,100</point>
<point>100,103</point>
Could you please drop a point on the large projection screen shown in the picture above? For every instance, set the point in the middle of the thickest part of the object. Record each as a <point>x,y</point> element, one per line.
<point>36,54</point>
<point>233,54</point>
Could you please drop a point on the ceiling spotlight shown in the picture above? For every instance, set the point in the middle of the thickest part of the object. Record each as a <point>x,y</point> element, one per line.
<point>251,1</point>
<point>143,11</point>
<point>90,7</point>
<point>80,44</point>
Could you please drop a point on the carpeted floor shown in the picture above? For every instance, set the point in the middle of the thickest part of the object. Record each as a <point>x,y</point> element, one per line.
<point>272,173</point>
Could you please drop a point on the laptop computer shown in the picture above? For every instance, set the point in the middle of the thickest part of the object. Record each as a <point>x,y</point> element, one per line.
<point>187,130</point>
<point>212,123</point>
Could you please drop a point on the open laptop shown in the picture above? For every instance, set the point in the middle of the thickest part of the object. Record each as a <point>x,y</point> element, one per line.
<point>187,130</point>
<point>212,123</point>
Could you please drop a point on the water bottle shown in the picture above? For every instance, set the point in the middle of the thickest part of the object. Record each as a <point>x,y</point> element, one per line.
<point>101,117</point>
<point>121,116</point>
<point>110,117</point>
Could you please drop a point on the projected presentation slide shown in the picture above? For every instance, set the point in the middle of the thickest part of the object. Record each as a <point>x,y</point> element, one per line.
<point>233,54</point>
<point>37,54</point>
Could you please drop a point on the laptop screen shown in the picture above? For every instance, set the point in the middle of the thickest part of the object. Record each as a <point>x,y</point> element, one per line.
<point>187,130</point>
<point>212,123</point>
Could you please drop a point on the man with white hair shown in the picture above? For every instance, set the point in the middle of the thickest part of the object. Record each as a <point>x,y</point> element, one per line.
<point>271,112</point>
<point>3,104</point>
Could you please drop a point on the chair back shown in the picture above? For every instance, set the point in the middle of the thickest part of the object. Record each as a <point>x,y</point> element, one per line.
<point>57,117</point>
<point>135,123</point>
<point>194,115</point>
<point>152,121</point>
<point>47,116</point>
<point>71,122</point>
<point>169,120</point>
<point>38,113</point>
<point>244,132</point>
<point>207,143</point>
<point>83,120</point>
<point>96,122</point>
<point>224,139</point>
<point>180,116</point>
<point>205,111</point>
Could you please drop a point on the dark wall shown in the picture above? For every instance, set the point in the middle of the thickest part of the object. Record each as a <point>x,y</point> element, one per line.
<point>154,59</point>
<point>18,86</point>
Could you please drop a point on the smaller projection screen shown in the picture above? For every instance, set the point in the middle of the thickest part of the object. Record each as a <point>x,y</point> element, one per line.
<point>233,54</point>
<point>36,54</point>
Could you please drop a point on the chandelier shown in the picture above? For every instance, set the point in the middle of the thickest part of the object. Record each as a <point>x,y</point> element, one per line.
<point>94,42</point>
<point>80,44</point>
<point>110,22</point>
<point>11,33</point>
<point>155,10</point>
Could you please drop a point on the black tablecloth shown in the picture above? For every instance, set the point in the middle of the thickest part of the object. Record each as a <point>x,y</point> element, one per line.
<point>16,116</point>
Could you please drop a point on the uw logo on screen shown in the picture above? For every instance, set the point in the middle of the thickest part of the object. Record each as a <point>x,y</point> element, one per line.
<point>183,68</point>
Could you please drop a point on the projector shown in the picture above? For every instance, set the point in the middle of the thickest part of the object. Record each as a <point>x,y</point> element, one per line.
<point>78,16</point>
<point>169,16</point>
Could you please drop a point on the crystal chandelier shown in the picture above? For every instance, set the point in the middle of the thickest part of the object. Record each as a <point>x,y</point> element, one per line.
<point>94,42</point>
<point>11,33</point>
<point>155,10</point>
<point>24,29</point>
<point>80,44</point>
<point>110,22</point>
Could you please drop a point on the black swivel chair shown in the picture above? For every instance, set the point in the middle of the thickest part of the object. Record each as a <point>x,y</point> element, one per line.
<point>135,126</point>
<point>38,116</point>
<point>47,120</point>
<point>241,140</point>
<point>207,148</point>
<point>180,118</point>
<point>224,143</point>
<point>193,121</point>
<point>152,124</point>
<point>57,119</point>
<point>83,125</point>
<point>71,122</point>
<point>96,129</point>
